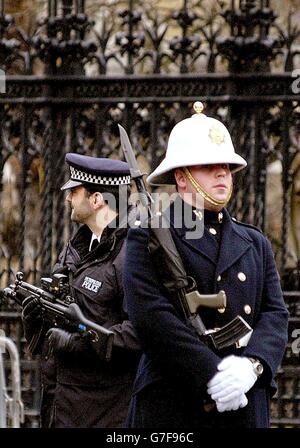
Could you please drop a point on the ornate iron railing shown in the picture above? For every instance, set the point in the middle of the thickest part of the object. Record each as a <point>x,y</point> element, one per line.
<point>71,79</point>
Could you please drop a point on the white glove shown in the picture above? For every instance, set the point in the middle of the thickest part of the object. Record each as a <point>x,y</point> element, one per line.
<point>232,405</point>
<point>235,377</point>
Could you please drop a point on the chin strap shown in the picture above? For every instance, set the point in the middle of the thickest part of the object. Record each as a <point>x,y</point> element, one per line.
<point>204,193</point>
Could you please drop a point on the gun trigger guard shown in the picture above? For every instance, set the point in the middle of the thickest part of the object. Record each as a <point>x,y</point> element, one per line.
<point>191,284</point>
<point>93,336</point>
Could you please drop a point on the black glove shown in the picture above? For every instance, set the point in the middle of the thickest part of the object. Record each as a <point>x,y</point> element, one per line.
<point>32,316</point>
<point>61,341</point>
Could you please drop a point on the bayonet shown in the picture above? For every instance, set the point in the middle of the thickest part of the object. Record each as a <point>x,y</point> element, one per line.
<point>135,171</point>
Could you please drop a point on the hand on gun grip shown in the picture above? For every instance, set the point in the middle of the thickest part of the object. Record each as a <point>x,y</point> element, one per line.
<point>63,341</point>
<point>32,315</point>
<point>235,377</point>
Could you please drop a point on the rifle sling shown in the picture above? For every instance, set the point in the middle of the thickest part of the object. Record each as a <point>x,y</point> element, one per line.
<point>162,247</point>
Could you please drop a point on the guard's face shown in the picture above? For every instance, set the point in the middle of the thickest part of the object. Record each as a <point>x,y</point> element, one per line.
<point>81,209</point>
<point>215,179</point>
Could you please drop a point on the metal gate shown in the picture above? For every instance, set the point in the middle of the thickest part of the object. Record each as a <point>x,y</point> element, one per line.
<point>11,406</point>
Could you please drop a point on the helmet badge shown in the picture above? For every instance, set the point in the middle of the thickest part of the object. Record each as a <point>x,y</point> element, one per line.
<point>216,135</point>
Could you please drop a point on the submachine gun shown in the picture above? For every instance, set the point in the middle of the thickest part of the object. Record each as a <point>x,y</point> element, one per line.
<point>181,286</point>
<point>60,310</point>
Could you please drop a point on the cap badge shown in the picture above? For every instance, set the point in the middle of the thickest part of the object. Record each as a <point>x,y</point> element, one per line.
<point>216,135</point>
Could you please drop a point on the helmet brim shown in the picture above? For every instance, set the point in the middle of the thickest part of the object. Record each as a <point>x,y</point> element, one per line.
<point>163,174</point>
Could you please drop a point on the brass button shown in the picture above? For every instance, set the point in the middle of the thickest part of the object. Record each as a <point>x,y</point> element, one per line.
<point>241,276</point>
<point>247,309</point>
<point>219,278</point>
<point>221,310</point>
<point>220,217</point>
<point>212,231</point>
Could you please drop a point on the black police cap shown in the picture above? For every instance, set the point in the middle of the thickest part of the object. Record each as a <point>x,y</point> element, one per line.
<point>93,170</point>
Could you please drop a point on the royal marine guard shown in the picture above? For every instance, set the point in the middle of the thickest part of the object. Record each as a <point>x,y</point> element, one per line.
<point>78,388</point>
<point>183,382</point>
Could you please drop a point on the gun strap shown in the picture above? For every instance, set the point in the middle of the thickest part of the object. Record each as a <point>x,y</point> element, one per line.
<point>172,272</point>
<point>72,290</point>
<point>162,247</point>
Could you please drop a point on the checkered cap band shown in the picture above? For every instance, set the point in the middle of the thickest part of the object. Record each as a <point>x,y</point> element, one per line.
<point>82,176</point>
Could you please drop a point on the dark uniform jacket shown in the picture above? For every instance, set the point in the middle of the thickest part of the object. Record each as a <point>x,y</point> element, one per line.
<point>170,389</point>
<point>79,390</point>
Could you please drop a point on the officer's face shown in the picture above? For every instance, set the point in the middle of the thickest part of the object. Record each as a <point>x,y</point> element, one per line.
<point>81,209</point>
<point>215,180</point>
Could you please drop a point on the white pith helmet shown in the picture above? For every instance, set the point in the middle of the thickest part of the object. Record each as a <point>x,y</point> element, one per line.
<point>198,140</point>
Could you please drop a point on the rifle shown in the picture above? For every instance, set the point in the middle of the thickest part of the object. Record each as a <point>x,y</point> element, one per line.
<point>60,310</point>
<point>177,281</point>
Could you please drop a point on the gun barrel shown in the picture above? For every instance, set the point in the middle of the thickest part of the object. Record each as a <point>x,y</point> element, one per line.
<point>9,293</point>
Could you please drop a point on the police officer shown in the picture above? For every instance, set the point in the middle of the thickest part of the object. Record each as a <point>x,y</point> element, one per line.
<point>78,388</point>
<point>181,381</point>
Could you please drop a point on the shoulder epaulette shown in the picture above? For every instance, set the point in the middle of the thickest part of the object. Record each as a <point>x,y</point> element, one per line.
<point>251,226</point>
